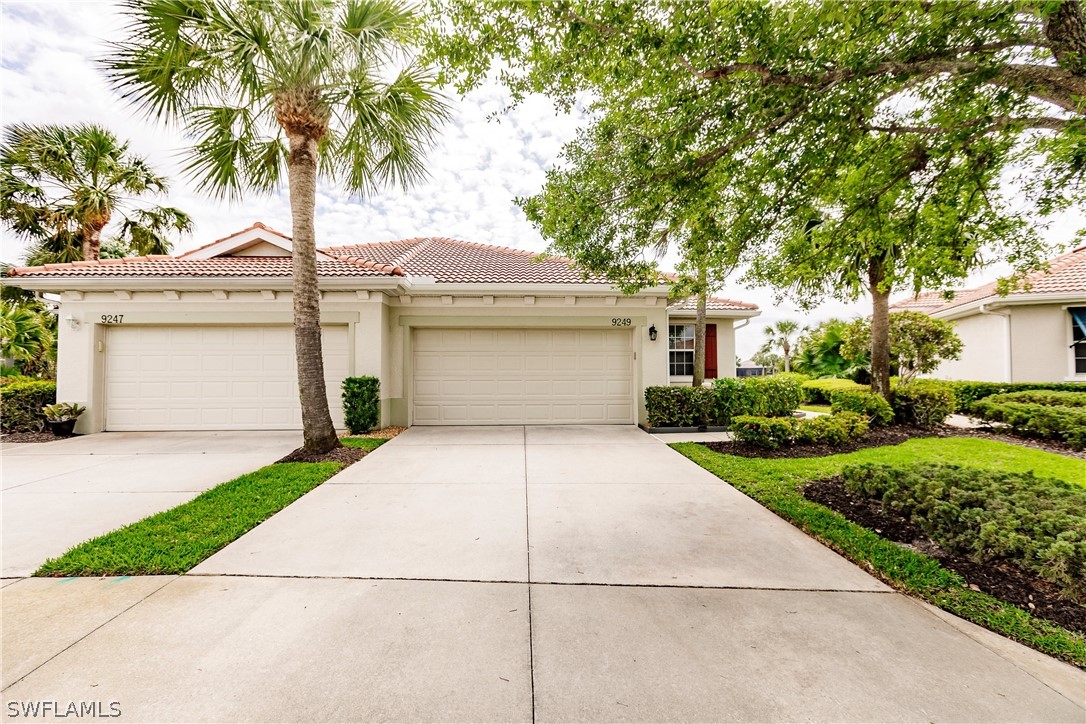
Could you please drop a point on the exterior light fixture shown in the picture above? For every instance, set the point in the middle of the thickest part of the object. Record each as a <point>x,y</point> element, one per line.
<point>72,322</point>
<point>652,333</point>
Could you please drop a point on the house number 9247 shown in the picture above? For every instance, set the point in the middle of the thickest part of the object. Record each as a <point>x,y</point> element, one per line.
<point>621,321</point>
<point>112,318</point>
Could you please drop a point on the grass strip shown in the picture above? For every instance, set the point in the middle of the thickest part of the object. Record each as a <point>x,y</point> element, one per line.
<point>776,484</point>
<point>816,408</point>
<point>175,540</point>
<point>369,444</point>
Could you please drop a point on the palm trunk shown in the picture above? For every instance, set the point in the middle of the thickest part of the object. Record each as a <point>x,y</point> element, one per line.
<point>92,242</point>
<point>880,331</point>
<point>318,433</point>
<point>787,350</point>
<point>699,332</point>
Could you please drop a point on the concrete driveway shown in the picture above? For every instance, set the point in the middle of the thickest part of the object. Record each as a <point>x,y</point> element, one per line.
<point>58,494</point>
<point>519,574</point>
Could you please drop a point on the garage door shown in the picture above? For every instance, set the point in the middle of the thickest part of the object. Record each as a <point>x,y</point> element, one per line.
<point>212,378</point>
<point>522,376</point>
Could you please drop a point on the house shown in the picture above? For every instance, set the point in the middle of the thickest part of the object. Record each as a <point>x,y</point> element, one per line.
<point>1036,333</point>
<point>458,333</point>
<point>750,368</point>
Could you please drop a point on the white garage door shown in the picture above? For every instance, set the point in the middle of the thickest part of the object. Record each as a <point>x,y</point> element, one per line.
<point>212,378</point>
<point>523,376</point>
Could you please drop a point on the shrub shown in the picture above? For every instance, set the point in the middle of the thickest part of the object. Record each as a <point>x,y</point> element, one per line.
<point>1038,524</point>
<point>819,392</point>
<point>967,392</point>
<point>872,406</point>
<point>21,405</point>
<point>679,406</point>
<point>361,404</point>
<point>766,432</point>
<point>1047,421</point>
<point>923,403</point>
<point>773,395</point>
<point>1044,397</point>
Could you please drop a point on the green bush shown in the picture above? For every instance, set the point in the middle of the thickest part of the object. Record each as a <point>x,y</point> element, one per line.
<point>872,406</point>
<point>819,392</point>
<point>1044,397</point>
<point>773,432</point>
<point>923,403</point>
<point>766,432</point>
<point>361,404</point>
<point>967,392</point>
<point>772,395</point>
<point>21,405</point>
<point>679,406</point>
<point>1038,524</point>
<point>1047,421</point>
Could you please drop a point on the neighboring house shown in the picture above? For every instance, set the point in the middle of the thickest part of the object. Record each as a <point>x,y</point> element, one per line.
<point>1034,334</point>
<point>750,368</point>
<point>458,333</point>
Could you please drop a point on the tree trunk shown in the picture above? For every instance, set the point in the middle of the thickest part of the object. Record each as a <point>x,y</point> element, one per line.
<point>318,433</point>
<point>1065,29</point>
<point>92,239</point>
<point>787,350</point>
<point>880,331</point>
<point>699,331</point>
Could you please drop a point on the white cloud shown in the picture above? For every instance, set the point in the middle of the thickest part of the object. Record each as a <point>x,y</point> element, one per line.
<point>48,75</point>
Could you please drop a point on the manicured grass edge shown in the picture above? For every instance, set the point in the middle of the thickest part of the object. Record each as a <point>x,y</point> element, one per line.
<point>176,540</point>
<point>903,569</point>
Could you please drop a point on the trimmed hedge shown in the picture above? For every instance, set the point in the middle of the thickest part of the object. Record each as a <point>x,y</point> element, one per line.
<point>773,432</point>
<point>923,403</point>
<point>820,392</point>
<point>1038,524</point>
<point>21,403</point>
<point>877,410</point>
<point>679,406</point>
<point>361,404</point>
<point>1045,397</point>
<point>729,397</point>
<point>1048,421</point>
<point>966,392</point>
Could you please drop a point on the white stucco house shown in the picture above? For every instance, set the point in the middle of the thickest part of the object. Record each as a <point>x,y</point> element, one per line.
<point>1034,334</point>
<point>458,333</point>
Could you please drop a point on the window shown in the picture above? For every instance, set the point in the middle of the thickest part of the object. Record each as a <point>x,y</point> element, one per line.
<point>1078,338</point>
<point>680,345</point>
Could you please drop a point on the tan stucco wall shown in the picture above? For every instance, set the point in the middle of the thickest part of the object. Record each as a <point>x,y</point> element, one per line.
<point>725,346</point>
<point>1039,346</point>
<point>379,325</point>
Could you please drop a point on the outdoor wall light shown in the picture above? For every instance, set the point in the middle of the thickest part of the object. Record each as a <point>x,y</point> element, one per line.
<point>652,333</point>
<point>72,322</point>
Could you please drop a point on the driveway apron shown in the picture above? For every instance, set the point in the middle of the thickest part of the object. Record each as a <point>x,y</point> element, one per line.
<point>566,573</point>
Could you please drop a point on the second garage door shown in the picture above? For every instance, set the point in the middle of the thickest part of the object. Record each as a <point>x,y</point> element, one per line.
<point>212,377</point>
<point>522,376</point>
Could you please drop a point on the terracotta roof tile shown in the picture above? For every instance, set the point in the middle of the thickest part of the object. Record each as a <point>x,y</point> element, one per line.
<point>711,304</point>
<point>171,266</point>
<point>1066,274</point>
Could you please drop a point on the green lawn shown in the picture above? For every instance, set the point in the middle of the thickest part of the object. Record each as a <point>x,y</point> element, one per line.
<point>815,408</point>
<point>369,444</point>
<point>776,485</point>
<point>175,540</point>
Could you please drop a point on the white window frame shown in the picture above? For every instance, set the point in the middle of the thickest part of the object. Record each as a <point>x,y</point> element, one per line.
<point>1072,374</point>
<point>673,375</point>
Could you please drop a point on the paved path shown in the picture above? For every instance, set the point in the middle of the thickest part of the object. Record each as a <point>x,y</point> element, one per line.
<point>512,574</point>
<point>58,494</point>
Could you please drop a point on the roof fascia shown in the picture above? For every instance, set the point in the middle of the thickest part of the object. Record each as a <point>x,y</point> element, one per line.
<point>995,302</point>
<point>243,240</point>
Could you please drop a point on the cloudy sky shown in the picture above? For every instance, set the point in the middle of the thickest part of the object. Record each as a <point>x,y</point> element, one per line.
<point>48,75</point>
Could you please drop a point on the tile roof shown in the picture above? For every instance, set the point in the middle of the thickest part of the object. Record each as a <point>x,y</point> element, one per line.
<point>227,266</point>
<point>711,304</point>
<point>1066,274</point>
<point>451,261</point>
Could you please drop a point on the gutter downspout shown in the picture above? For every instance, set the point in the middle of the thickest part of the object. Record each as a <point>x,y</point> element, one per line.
<point>1007,359</point>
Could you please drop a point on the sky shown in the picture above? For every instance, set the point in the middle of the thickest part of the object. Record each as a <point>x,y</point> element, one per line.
<point>483,160</point>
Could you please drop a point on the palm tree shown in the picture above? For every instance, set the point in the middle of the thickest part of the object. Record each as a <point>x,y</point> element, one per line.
<point>781,336</point>
<point>61,185</point>
<point>312,87</point>
<point>27,336</point>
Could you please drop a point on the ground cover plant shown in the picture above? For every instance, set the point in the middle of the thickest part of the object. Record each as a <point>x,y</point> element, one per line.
<point>779,483</point>
<point>176,540</point>
<point>1049,415</point>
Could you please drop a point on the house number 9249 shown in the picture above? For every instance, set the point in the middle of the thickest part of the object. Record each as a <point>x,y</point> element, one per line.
<point>112,318</point>
<point>621,321</point>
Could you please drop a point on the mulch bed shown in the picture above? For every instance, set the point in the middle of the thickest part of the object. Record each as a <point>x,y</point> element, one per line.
<point>345,455</point>
<point>999,579</point>
<point>44,436</point>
